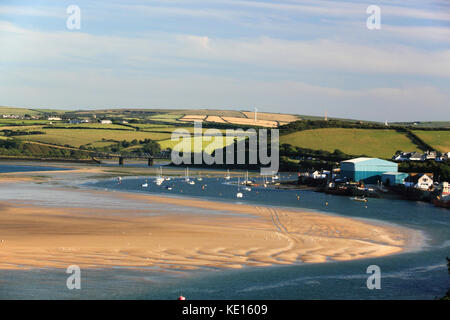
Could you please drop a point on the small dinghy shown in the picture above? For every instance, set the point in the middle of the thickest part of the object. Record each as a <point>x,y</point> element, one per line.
<point>360,199</point>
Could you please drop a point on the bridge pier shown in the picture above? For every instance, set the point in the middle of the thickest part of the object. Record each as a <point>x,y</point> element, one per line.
<point>150,162</point>
<point>120,161</point>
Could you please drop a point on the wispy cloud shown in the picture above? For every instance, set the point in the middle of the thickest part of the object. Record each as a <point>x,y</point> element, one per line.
<point>288,55</point>
<point>263,52</point>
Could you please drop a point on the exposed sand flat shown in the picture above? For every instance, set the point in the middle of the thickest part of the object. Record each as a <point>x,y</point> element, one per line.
<point>35,236</point>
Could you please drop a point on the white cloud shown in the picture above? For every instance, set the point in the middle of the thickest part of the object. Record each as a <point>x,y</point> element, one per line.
<point>84,50</point>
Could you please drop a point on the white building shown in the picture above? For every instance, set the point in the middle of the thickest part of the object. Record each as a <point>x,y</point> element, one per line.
<point>106,122</point>
<point>430,155</point>
<point>54,118</point>
<point>416,156</point>
<point>423,181</point>
<point>318,175</point>
<point>444,188</point>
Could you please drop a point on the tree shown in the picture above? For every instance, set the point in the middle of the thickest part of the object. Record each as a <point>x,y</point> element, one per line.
<point>151,147</point>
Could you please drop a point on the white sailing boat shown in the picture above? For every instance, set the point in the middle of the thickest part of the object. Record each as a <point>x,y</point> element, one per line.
<point>159,179</point>
<point>247,181</point>
<point>187,179</point>
<point>186,175</point>
<point>228,177</point>
<point>239,194</point>
<point>145,185</point>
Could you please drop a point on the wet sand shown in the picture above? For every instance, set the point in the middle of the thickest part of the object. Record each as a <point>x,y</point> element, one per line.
<point>56,237</point>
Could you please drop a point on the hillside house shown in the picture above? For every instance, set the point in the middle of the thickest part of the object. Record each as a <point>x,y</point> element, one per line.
<point>403,156</point>
<point>416,156</point>
<point>430,155</point>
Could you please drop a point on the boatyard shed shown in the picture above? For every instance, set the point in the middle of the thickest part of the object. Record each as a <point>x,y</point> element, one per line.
<point>367,170</point>
<point>393,178</point>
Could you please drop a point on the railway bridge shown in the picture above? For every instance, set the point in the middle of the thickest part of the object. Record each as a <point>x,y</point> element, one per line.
<point>130,156</point>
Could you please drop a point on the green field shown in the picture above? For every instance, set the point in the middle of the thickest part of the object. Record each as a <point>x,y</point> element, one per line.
<point>440,140</point>
<point>370,142</point>
<point>175,145</point>
<point>19,122</point>
<point>166,117</point>
<point>79,137</point>
<point>17,111</point>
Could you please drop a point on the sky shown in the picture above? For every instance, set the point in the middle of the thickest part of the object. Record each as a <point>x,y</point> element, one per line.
<point>290,56</point>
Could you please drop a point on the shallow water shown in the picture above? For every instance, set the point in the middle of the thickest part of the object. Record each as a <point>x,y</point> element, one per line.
<point>25,168</point>
<point>413,275</point>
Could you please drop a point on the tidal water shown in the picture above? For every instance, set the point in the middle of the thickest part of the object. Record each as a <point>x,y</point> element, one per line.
<point>416,274</point>
<point>4,168</point>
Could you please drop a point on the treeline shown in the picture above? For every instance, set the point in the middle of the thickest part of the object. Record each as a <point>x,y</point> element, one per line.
<point>13,147</point>
<point>12,133</point>
<point>440,170</point>
<point>299,153</point>
<point>145,146</point>
<point>428,128</point>
<point>422,145</point>
<point>301,125</point>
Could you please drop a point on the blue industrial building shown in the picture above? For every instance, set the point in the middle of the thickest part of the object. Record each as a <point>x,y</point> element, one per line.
<point>393,178</point>
<point>367,170</point>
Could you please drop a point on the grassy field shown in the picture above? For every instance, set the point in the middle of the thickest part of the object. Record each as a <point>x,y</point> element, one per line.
<point>79,137</point>
<point>19,122</point>
<point>222,142</point>
<point>17,111</point>
<point>166,117</point>
<point>373,143</point>
<point>440,140</point>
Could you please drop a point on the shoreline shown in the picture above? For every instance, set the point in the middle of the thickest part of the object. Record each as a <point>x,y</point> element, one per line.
<point>112,237</point>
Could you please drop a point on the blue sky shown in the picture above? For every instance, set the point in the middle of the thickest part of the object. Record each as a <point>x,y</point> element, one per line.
<point>292,56</point>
